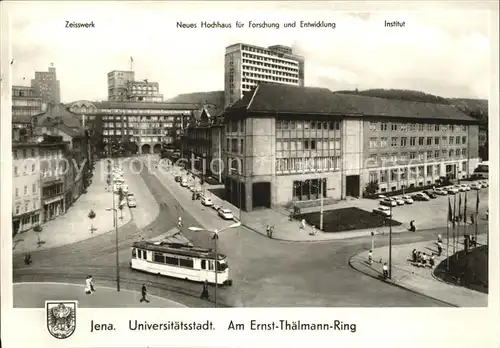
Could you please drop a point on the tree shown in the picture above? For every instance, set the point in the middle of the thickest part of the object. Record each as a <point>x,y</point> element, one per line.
<point>38,229</point>
<point>371,188</point>
<point>91,216</point>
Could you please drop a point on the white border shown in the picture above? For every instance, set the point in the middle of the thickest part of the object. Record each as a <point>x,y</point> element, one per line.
<point>377,327</point>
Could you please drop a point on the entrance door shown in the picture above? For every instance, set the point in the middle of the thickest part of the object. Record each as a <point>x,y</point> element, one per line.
<point>352,185</point>
<point>15,227</point>
<point>451,171</point>
<point>261,194</point>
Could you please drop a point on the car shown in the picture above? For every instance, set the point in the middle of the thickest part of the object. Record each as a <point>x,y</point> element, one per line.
<point>216,207</point>
<point>407,199</point>
<point>430,194</point>
<point>178,178</point>
<point>399,200</point>
<point>226,214</point>
<point>207,202</point>
<point>184,183</point>
<point>420,196</point>
<point>460,188</point>
<point>452,190</point>
<point>380,196</point>
<point>466,187</point>
<point>388,202</point>
<point>125,189</point>
<point>132,203</point>
<point>476,186</point>
<point>484,183</point>
<point>130,196</point>
<point>440,192</point>
<point>384,211</point>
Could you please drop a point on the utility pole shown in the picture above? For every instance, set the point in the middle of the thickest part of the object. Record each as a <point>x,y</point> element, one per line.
<point>390,243</point>
<point>321,190</point>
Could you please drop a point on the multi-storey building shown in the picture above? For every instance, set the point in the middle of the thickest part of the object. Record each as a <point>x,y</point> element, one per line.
<point>46,85</point>
<point>122,86</point>
<point>202,141</point>
<point>38,180</point>
<point>25,102</point>
<point>118,82</point>
<point>246,66</point>
<point>133,127</point>
<point>286,144</point>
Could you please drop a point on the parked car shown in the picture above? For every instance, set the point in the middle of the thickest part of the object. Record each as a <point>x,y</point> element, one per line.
<point>430,194</point>
<point>384,211</point>
<point>440,191</point>
<point>467,187</point>
<point>452,190</point>
<point>130,195</point>
<point>207,202</point>
<point>132,203</point>
<point>388,202</point>
<point>226,214</point>
<point>420,196</point>
<point>407,199</point>
<point>399,200</point>
<point>178,178</point>
<point>485,183</point>
<point>216,207</point>
<point>380,196</point>
<point>476,186</point>
<point>184,183</point>
<point>460,188</point>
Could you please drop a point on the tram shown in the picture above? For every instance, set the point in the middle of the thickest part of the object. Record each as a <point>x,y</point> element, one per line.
<point>179,261</point>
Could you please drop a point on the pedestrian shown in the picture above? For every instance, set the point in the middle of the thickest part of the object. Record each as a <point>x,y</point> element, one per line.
<point>440,248</point>
<point>439,238</point>
<point>204,291</point>
<point>370,257</point>
<point>144,293</point>
<point>179,222</point>
<point>472,219</point>
<point>473,242</point>
<point>414,255</point>
<point>88,286</point>
<point>313,231</point>
<point>267,230</point>
<point>92,288</point>
<point>432,261</point>
<point>303,224</point>
<point>271,231</point>
<point>385,270</point>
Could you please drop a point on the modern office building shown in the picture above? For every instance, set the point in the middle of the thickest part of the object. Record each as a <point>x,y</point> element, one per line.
<point>25,102</point>
<point>123,87</point>
<point>246,66</point>
<point>46,85</point>
<point>288,144</point>
<point>133,127</point>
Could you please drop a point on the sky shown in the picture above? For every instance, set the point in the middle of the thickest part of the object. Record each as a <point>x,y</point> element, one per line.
<point>442,50</point>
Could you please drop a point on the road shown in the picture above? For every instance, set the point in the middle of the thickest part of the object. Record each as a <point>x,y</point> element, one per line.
<point>266,273</point>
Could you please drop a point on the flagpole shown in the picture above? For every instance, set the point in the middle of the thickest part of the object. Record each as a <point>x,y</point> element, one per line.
<point>477,216</point>
<point>465,218</point>
<point>448,238</point>
<point>454,211</point>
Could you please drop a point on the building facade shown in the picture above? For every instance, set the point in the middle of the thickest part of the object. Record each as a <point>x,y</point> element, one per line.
<point>123,87</point>
<point>46,85</point>
<point>246,66</point>
<point>133,127</point>
<point>25,102</point>
<point>118,82</point>
<point>38,181</point>
<point>287,144</point>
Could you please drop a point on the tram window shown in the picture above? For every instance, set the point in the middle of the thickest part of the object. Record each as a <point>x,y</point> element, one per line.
<point>134,252</point>
<point>186,263</point>
<point>221,266</point>
<point>203,264</point>
<point>211,265</point>
<point>158,257</point>
<point>172,261</point>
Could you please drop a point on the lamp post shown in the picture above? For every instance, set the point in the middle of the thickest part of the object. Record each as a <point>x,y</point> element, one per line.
<point>390,242</point>
<point>238,192</point>
<point>115,214</point>
<point>215,237</point>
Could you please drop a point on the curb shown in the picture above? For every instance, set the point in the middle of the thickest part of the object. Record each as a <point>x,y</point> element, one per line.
<point>398,285</point>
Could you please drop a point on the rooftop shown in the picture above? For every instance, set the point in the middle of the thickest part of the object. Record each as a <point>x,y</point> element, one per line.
<point>285,99</point>
<point>144,105</point>
<point>59,112</point>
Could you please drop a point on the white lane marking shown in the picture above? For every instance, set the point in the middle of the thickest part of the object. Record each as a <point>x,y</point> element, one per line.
<point>102,287</point>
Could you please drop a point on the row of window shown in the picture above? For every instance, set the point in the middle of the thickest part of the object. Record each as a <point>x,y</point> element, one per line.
<point>34,152</point>
<point>51,191</point>
<point>273,69</point>
<point>305,125</point>
<point>254,78</point>
<point>235,126</point>
<point>46,171</point>
<point>107,132</point>
<point>34,190</point>
<point>25,208</point>
<point>302,165</point>
<point>311,189</point>
<point>287,64</point>
<point>173,260</point>
<point>233,145</point>
<point>414,141</point>
<point>421,156</point>
<point>408,173</point>
<point>24,102</point>
<point>84,110</point>
<point>308,144</point>
<point>413,127</point>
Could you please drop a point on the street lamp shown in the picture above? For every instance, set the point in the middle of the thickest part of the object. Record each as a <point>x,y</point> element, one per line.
<point>115,214</point>
<point>216,238</point>
<point>238,192</point>
<point>390,242</point>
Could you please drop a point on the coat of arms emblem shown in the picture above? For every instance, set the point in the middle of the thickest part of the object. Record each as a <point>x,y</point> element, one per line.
<point>61,318</point>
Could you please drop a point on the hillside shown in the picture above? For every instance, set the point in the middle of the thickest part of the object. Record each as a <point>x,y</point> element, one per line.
<point>212,97</point>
